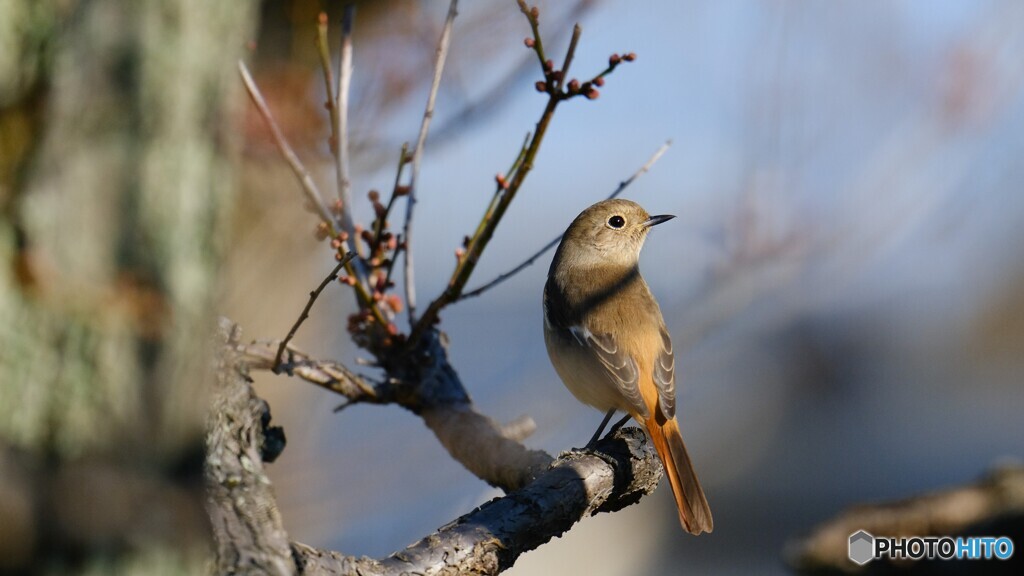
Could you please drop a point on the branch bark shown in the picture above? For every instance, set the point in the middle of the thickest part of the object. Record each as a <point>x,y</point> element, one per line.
<point>546,495</point>
<point>431,389</point>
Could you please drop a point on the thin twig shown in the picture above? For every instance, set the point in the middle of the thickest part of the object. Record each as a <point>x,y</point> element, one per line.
<point>324,51</point>
<point>532,17</point>
<point>485,230</point>
<point>308,185</point>
<point>554,241</point>
<point>496,97</point>
<point>570,53</point>
<point>522,266</point>
<point>522,153</point>
<point>499,205</point>
<point>326,374</point>
<point>309,305</point>
<point>378,226</point>
<point>341,130</point>
<point>417,156</point>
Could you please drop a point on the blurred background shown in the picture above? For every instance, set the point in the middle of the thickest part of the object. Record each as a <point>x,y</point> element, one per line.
<point>844,281</point>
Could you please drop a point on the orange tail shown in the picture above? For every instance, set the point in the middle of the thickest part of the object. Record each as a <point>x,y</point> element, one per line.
<point>694,513</point>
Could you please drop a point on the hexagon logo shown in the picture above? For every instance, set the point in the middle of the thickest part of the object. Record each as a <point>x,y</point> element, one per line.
<point>862,546</point>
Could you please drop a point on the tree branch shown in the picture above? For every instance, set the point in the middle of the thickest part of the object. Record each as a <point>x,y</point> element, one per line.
<point>311,190</point>
<point>417,157</point>
<point>249,531</point>
<point>507,189</point>
<point>305,310</point>
<point>340,105</point>
<point>489,450</point>
<point>993,505</point>
<point>305,179</point>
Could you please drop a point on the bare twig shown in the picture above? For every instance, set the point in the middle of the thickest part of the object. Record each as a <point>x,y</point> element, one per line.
<point>341,160</point>
<point>309,305</point>
<point>504,195</point>
<point>310,189</point>
<point>498,95</point>
<point>324,51</point>
<point>417,157</point>
<point>308,185</point>
<point>569,55</point>
<point>327,374</point>
<point>538,45</point>
<point>378,226</point>
<point>554,241</point>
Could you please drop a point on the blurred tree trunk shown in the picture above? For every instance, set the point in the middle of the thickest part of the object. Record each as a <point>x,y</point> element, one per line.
<point>116,175</point>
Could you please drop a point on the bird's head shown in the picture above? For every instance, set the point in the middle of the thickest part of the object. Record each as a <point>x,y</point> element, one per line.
<point>611,232</point>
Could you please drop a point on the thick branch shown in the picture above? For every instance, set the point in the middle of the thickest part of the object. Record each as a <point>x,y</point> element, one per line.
<point>489,450</point>
<point>993,505</point>
<point>247,526</point>
<point>491,538</point>
<point>250,535</point>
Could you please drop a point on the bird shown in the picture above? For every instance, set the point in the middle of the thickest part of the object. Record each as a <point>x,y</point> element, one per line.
<point>607,339</point>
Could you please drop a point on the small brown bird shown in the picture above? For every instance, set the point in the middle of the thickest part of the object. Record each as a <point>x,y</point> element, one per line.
<point>608,342</point>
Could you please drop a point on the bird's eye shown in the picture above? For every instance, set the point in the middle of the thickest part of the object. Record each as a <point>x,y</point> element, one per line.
<point>616,222</point>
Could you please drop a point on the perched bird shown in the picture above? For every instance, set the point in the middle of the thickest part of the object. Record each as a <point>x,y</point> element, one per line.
<point>608,342</point>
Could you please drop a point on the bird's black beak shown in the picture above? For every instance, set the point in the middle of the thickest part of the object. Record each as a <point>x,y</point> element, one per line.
<point>655,220</point>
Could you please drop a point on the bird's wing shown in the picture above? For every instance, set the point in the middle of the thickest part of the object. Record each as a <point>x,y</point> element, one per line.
<point>620,367</point>
<point>665,376</point>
